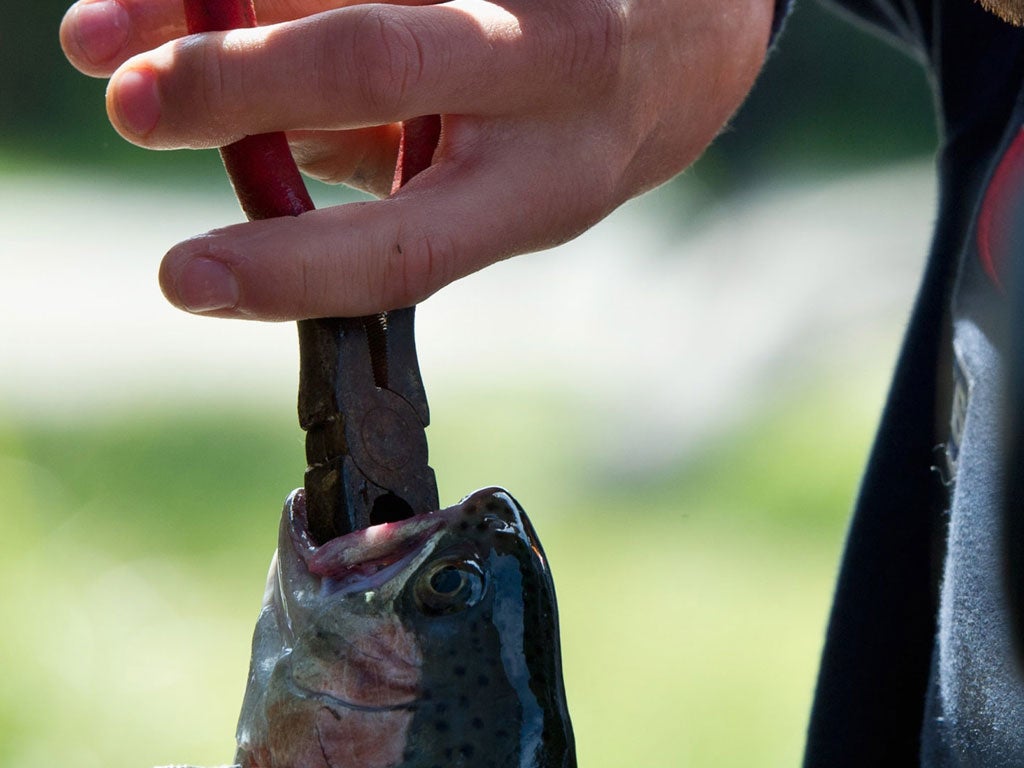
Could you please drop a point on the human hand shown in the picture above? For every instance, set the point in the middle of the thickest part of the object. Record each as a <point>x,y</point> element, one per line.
<point>553,115</point>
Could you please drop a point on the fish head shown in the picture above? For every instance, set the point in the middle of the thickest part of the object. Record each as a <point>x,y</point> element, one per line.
<point>425,642</point>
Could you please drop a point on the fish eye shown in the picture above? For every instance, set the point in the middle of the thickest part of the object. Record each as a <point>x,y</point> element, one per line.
<point>449,586</point>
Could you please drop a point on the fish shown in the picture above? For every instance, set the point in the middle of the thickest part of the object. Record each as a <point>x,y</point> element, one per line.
<point>430,642</point>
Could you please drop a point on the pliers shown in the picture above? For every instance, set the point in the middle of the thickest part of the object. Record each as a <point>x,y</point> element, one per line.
<point>364,410</point>
<point>361,398</point>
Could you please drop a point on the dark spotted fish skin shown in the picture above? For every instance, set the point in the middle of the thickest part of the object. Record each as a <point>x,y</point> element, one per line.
<point>427,643</point>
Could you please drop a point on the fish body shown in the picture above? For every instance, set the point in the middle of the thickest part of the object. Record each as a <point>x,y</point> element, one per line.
<point>426,643</point>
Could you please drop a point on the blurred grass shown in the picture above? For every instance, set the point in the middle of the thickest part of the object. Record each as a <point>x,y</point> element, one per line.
<point>692,601</point>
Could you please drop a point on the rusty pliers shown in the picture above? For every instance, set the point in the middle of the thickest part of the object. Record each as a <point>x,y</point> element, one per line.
<point>362,404</point>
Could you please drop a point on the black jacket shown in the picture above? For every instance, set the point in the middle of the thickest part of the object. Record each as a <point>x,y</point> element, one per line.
<point>919,666</point>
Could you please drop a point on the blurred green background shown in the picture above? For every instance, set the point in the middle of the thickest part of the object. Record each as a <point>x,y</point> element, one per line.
<point>694,566</point>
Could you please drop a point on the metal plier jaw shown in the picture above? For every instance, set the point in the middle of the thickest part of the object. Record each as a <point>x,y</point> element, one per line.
<point>364,410</point>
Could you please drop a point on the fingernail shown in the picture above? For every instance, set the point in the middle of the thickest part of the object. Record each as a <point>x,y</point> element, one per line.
<point>137,101</point>
<point>205,285</point>
<point>101,30</point>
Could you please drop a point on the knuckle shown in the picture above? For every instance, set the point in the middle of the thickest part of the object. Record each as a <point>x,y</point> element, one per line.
<point>321,163</point>
<point>207,87</point>
<point>421,265</point>
<point>590,43</point>
<point>333,160</point>
<point>385,59</point>
<point>326,171</point>
<point>215,89</point>
<point>316,283</point>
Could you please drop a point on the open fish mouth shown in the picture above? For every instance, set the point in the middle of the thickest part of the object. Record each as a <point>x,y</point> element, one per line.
<point>361,557</point>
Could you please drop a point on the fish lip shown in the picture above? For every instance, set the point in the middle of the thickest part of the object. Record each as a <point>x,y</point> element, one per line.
<point>360,554</point>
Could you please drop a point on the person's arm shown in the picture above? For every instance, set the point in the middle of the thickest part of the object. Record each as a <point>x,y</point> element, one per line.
<point>554,114</point>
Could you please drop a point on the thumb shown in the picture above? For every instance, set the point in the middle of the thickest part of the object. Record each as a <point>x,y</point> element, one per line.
<point>361,258</point>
